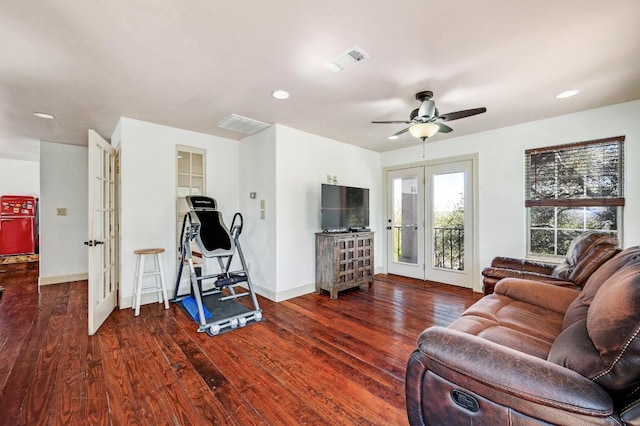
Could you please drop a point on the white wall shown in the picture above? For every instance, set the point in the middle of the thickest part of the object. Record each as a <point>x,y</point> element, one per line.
<point>148,190</point>
<point>63,184</point>
<point>289,181</point>
<point>19,177</point>
<point>303,161</point>
<point>258,239</point>
<point>502,222</point>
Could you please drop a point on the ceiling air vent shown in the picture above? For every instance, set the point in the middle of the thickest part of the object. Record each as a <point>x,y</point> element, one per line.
<point>346,60</point>
<point>240,124</point>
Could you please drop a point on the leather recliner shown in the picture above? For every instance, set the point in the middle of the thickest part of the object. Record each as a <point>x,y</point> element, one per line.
<point>536,353</point>
<point>586,253</point>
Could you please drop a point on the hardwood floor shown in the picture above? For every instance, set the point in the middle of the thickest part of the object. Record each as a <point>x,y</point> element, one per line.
<point>312,361</point>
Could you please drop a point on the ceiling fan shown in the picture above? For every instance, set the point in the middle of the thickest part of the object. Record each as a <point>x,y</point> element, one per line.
<point>426,121</point>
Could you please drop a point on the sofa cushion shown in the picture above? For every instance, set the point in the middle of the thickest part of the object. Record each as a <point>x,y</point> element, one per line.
<point>605,346</point>
<point>577,310</point>
<point>506,336</point>
<point>513,323</point>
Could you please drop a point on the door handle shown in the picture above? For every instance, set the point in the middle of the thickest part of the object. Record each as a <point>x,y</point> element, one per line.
<point>92,243</point>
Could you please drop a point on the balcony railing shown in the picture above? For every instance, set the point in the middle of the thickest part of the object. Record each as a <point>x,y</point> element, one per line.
<point>448,248</point>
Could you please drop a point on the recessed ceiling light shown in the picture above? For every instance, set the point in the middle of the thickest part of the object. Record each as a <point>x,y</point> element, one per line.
<point>44,115</point>
<point>280,94</point>
<point>567,94</point>
<point>393,137</point>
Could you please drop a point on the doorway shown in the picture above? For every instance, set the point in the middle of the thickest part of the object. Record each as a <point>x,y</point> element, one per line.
<point>430,222</point>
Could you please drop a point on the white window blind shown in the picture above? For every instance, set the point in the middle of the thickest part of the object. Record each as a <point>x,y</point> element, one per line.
<point>584,174</point>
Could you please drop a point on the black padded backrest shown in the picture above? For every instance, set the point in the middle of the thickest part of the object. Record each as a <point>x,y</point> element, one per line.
<point>213,237</point>
<point>213,234</point>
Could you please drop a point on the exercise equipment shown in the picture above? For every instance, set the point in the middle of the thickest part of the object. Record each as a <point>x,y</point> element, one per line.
<point>215,309</point>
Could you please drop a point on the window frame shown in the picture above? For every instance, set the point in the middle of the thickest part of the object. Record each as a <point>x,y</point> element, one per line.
<point>181,206</point>
<point>572,202</point>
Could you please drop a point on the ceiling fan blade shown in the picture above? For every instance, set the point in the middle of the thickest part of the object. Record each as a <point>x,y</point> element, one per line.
<point>391,122</point>
<point>444,128</point>
<point>462,114</point>
<point>396,134</point>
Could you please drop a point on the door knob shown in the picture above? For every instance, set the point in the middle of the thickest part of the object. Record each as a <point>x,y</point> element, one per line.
<point>92,243</point>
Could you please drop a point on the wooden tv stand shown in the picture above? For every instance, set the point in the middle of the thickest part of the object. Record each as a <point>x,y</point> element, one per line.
<point>343,261</point>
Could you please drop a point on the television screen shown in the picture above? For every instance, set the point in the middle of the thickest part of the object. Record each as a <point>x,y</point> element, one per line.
<point>344,207</point>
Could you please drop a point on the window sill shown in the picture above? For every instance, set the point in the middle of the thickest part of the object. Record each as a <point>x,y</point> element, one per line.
<point>557,260</point>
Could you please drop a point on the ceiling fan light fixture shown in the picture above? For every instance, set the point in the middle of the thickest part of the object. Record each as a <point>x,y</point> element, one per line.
<point>424,130</point>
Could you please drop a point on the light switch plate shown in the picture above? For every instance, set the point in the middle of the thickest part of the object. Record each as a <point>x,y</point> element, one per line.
<point>61,211</point>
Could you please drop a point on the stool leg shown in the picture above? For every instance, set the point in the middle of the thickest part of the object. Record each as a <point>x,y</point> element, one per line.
<point>135,282</point>
<point>163,283</point>
<point>156,262</point>
<point>139,285</point>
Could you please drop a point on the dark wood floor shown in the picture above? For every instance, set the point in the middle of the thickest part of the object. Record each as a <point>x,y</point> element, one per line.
<point>312,361</point>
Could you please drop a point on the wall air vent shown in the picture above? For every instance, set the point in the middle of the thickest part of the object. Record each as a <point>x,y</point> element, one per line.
<point>240,124</point>
<point>345,60</point>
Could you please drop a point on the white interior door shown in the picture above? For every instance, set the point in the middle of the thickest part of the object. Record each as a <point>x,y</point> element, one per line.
<point>405,224</point>
<point>102,231</point>
<point>449,223</point>
<point>430,222</point>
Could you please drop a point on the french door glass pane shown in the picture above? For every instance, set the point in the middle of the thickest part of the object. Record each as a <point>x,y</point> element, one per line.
<point>405,219</point>
<point>448,221</point>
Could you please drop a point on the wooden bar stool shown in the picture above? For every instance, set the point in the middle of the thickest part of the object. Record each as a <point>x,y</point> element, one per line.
<point>160,287</point>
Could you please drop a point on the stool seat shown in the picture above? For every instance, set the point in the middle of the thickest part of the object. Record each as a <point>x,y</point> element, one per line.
<point>149,251</point>
<point>160,286</point>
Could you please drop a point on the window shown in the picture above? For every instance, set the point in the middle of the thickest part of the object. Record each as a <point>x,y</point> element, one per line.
<point>190,178</point>
<point>570,189</point>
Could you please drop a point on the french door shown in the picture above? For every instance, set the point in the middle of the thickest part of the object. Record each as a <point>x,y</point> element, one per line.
<point>430,222</point>
<point>102,231</point>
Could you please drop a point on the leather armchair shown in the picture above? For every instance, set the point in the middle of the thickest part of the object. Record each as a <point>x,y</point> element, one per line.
<point>586,253</point>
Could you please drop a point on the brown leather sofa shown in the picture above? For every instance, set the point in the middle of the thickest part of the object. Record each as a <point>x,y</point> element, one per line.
<point>536,353</point>
<point>586,253</point>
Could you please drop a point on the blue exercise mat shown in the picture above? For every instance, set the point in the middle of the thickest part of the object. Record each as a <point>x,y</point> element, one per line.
<point>189,304</point>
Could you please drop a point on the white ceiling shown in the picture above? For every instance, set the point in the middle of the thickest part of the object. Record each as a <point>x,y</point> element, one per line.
<point>190,63</point>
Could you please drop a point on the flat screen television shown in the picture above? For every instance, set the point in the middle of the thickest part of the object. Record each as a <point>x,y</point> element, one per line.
<point>344,208</point>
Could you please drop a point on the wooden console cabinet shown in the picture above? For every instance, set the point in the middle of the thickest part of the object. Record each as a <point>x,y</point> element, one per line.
<point>343,260</point>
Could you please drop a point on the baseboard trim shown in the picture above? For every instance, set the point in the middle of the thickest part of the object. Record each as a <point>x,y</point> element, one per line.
<point>295,292</point>
<point>59,279</point>
<point>148,298</point>
<point>127,301</point>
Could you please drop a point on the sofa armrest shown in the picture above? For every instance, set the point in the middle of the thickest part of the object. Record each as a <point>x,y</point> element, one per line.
<point>497,376</point>
<point>500,273</point>
<point>523,265</point>
<point>554,297</point>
